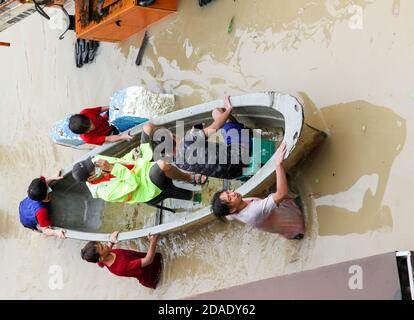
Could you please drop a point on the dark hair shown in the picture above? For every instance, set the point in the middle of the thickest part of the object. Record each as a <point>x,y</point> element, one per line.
<point>82,170</point>
<point>89,252</point>
<point>79,123</point>
<point>37,189</point>
<point>220,208</point>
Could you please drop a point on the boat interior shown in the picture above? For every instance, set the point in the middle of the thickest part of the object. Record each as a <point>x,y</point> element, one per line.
<point>74,208</point>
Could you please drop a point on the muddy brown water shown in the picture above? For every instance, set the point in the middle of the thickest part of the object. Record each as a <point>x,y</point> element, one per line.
<point>352,72</point>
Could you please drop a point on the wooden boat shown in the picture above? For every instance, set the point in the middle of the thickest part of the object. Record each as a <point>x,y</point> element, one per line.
<point>85,218</point>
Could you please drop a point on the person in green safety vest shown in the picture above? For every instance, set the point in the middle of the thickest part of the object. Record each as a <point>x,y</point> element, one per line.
<point>134,178</point>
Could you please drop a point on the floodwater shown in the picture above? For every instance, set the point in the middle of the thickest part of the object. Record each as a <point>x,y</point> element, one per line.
<point>349,61</point>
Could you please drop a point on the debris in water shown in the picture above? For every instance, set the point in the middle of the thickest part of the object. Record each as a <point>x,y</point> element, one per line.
<point>316,180</point>
<point>230,27</point>
<point>396,8</point>
<point>142,49</point>
<point>364,128</point>
<point>203,2</point>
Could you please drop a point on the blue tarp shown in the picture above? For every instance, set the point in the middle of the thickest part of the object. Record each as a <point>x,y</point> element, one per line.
<point>63,135</point>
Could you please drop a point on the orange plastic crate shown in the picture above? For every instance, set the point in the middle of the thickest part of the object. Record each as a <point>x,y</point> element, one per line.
<point>125,18</point>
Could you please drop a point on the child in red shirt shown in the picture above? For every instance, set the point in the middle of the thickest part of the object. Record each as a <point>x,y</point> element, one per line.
<point>95,128</point>
<point>145,267</point>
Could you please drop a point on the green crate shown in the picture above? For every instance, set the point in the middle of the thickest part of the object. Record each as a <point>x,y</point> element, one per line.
<point>267,149</point>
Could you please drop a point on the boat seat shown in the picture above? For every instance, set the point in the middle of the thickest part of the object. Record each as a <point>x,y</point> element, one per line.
<point>158,217</point>
<point>267,149</point>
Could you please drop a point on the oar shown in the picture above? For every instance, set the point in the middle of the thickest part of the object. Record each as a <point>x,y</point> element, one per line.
<point>142,49</point>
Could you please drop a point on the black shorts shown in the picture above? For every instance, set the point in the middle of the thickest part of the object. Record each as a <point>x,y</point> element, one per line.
<point>168,189</point>
<point>158,177</point>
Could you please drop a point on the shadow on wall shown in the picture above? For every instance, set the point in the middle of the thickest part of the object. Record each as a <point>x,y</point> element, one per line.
<point>347,176</point>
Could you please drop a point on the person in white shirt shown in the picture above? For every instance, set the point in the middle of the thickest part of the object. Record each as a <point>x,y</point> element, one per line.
<point>277,213</point>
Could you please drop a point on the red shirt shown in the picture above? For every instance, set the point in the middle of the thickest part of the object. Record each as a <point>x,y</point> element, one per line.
<point>128,264</point>
<point>102,126</point>
<point>42,216</point>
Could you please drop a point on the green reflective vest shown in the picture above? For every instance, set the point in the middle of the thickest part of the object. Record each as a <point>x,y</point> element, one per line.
<point>129,186</point>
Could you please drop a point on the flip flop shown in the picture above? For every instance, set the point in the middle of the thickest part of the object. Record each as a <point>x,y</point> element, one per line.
<point>197,179</point>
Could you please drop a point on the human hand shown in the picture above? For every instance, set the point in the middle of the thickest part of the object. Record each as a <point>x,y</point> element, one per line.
<point>227,104</point>
<point>153,238</point>
<point>56,176</point>
<point>104,165</point>
<point>125,136</point>
<point>60,233</point>
<point>114,237</point>
<point>280,154</point>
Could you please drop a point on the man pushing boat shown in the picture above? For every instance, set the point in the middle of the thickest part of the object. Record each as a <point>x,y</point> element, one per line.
<point>277,213</point>
<point>145,267</point>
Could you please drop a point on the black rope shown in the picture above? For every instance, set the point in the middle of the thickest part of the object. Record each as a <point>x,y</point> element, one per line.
<point>40,10</point>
